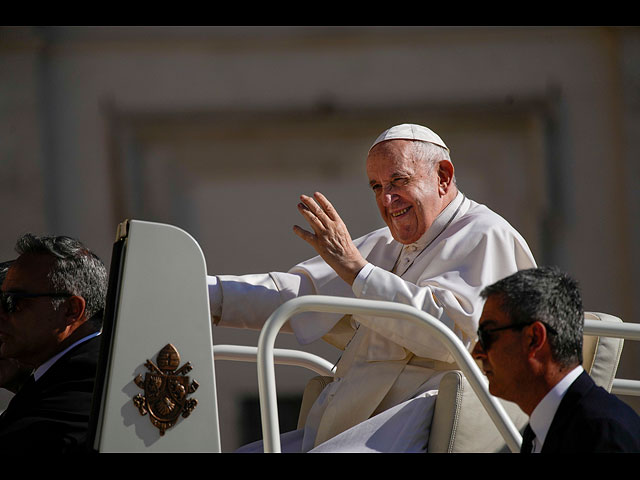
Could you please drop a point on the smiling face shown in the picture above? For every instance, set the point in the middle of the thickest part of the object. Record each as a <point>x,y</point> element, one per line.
<point>410,195</point>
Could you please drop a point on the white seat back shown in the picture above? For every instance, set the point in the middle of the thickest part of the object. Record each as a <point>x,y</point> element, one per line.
<point>601,355</point>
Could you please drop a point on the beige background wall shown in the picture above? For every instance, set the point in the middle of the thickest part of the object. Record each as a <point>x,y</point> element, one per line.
<point>218,130</point>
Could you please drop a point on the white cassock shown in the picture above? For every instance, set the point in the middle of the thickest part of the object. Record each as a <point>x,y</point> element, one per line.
<point>385,384</point>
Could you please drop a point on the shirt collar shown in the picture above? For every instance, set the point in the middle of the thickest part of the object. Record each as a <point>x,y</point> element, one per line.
<point>543,414</point>
<point>47,365</point>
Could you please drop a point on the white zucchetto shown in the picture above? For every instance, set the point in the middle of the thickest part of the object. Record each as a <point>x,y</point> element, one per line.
<point>410,131</point>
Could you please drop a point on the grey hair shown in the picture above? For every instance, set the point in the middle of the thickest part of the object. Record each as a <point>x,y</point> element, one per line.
<point>76,270</point>
<point>548,295</point>
<point>431,154</point>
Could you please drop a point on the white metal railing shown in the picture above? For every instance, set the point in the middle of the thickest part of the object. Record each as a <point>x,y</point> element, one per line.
<point>320,303</point>
<point>266,356</point>
<point>323,367</point>
<point>282,356</point>
<point>623,386</point>
<point>628,331</point>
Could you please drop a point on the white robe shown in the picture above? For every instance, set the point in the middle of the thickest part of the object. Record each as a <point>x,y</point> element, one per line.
<point>386,362</point>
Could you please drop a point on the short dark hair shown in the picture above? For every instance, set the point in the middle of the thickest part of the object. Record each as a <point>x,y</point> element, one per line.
<point>76,270</point>
<point>548,295</point>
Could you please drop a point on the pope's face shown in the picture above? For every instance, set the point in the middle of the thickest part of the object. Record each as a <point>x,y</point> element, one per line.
<point>407,192</point>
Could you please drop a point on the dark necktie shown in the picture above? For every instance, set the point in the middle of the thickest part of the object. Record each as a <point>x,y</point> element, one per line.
<point>27,383</point>
<point>527,440</point>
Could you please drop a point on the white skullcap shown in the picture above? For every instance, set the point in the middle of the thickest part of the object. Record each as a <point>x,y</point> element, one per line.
<point>409,131</point>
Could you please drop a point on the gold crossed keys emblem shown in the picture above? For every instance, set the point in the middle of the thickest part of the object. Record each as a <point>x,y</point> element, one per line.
<point>166,388</point>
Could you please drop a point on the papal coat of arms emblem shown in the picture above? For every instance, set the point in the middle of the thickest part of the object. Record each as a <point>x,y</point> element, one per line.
<point>166,388</point>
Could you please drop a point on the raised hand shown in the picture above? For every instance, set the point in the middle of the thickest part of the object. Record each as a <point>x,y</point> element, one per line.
<point>330,237</point>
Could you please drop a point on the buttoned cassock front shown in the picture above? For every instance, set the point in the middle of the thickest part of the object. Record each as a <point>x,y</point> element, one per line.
<point>386,361</point>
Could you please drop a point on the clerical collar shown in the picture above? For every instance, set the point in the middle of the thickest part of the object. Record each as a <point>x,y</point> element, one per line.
<point>439,224</point>
<point>409,253</point>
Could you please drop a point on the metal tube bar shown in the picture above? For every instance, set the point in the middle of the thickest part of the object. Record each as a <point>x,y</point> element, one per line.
<point>628,331</point>
<point>625,387</point>
<point>320,303</point>
<point>296,358</point>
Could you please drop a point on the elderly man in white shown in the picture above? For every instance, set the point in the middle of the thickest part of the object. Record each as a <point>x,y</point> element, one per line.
<point>438,251</point>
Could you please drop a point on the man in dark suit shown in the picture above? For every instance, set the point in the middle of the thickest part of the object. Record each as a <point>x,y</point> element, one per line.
<point>51,307</point>
<point>12,373</point>
<point>530,346</point>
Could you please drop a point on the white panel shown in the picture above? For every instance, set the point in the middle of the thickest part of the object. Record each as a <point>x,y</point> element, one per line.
<point>163,299</point>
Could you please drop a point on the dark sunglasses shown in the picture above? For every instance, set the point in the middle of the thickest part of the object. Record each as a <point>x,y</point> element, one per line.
<point>9,300</point>
<point>485,339</point>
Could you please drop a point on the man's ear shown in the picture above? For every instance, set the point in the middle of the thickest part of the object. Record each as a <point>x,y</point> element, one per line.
<point>75,307</point>
<point>445,176</point>
<point>536,337</point>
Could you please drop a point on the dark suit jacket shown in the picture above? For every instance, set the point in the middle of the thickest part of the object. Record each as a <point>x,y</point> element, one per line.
<point>52,414</point>
<point>590,419</point>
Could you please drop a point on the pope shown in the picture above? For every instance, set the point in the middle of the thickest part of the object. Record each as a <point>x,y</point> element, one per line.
<point>438,250</point>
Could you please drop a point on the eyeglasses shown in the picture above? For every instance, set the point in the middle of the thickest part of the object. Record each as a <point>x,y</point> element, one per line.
<point>485,339</point>
<point>9,300</point>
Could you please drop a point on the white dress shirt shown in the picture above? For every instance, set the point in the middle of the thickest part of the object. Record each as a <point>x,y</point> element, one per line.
<point>543,414</point>
<point>47,365</point>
